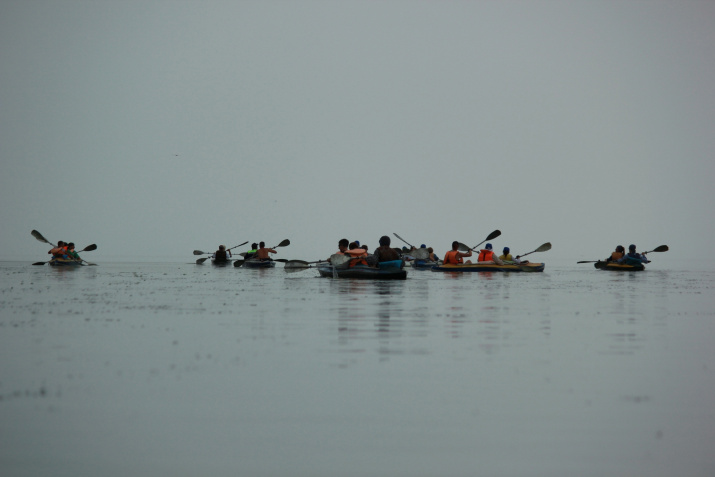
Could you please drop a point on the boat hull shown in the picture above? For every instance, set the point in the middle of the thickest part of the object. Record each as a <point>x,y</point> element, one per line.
<point>259,264</point>
<point>221,263</point>
<point>619,267</point>
<point>490,267</point>
<point>61,262</point>
<point>423,264</point>
<point>362,272</point>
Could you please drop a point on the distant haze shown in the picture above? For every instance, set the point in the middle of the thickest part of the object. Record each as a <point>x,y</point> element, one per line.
<point>153,128</point>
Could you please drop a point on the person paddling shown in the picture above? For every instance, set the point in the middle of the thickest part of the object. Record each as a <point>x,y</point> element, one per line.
<point>251,253</point>
<point>617,254</point>
<point>506,256</point>
<point>455,257</point>
<point>633,257</point>
<point>263,253</point>
<point>221,255</point>
<point>384,253</point>
<point>486,255</point>
<point>357,253</point>
<point>60,251</point>
<point>71,252</point>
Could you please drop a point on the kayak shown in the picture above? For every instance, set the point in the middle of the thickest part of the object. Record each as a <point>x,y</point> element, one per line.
<point>423,264</point>
<point>619,267</point>
<point>490,267</point>
<point>63,262</point>
<point>221,263</point>
<point>259,264</point>
<point>362,272</point>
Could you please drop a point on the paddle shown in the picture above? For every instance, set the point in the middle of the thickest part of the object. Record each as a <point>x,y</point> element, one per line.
<point>199,252</point>
<point>662,248</point>
<point>542,248</point>
<point>39,237</point>
<point>298,264</point>
<point>408,243</point>
<point>491,236</point>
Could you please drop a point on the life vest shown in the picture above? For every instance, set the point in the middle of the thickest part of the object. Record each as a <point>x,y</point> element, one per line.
<point>220,256</point>
<point>615,256</point>
<point>451,258</point>
<point>358,255</point>
<point>506,257</point>
<point>485,255</point>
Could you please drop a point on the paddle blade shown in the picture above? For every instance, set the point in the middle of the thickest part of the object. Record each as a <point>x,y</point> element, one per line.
<point>89,248</point>
<point>198,252</point>
<point>39,263</point>
<point>284,243</point>
<point>662,248</point>
<point>201,260</point>
<point>238,263</point>
<point>39,236</point>
<point>296,264</point>
<point>337,260</point>
<point>420,254</point>
<point>588,261</point>
<point>408,243</point>
<point>544,247</point>
<point>493,235</point>
<point>463,248</point>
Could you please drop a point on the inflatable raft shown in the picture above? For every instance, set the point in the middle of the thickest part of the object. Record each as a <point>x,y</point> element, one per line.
<point>362,272</point>
<point>619,267</point>
<point>490,267</point>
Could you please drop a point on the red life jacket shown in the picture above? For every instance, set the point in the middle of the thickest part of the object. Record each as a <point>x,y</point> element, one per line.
<point>485,255</point>
<point>451,258</point>
<point>359,257</point>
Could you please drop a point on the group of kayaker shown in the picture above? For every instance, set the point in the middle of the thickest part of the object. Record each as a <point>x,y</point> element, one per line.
<point>384,253</point>
<point>455,257</point>
<point>631,258</point>
<point>64,251</point>
<point>258,251</point>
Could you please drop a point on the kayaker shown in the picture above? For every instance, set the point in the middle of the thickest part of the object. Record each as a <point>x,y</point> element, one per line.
<point>358,255</point>
<point>455,257</point>
<point>251,253</point>
<point>432,256</point>
<point>262,252</point>
<point>384,253</point>
<point>506,256</point>
<point>633,257</point>
<point>221,255</point>
<point>617,254</point>
<point>486,255</point>
<point>60,251</point>
<point>71,252</point>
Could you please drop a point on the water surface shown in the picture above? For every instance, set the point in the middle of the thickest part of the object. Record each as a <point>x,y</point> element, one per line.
<point>175,369</point>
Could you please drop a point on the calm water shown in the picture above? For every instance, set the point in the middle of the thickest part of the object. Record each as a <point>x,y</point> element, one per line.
<point>184,370</point>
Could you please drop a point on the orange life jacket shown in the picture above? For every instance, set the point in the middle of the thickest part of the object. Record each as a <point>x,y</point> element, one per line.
<point>451,258</point>
<point>616,256</point>
<point>358,255</point>
<point>485,255</point>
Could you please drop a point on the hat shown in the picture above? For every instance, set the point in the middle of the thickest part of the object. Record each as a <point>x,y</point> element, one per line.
<point>488,246</point>
<point>506,249</point>
<point>423,246</point>
<point>357,242</point>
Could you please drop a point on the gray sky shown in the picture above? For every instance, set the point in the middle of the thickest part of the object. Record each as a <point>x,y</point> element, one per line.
<point>153,128</point>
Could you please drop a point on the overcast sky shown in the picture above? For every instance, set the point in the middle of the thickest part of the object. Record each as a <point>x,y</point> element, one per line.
<point>154,128</point>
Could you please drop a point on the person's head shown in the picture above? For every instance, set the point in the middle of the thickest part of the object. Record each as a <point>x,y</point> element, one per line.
<point>262,244</point>
<point>70,246</point>
<point>430,250</point>
<point>343,244</point>
<point>620,249</point>
<point>384,241</point>
<point>61,243</point>
<point>631,248</point>
<point>357,242</point>
<point>455,245</point>
<point>364,247</point>
<point>423,246</point>
<point>222,247</point>
<point>506,250</point>
<point>353,245</point>
<point>488,246</point>
<point>254,246</point>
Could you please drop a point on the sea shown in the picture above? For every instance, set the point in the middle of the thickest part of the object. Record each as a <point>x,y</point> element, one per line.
<point>178,369</point>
